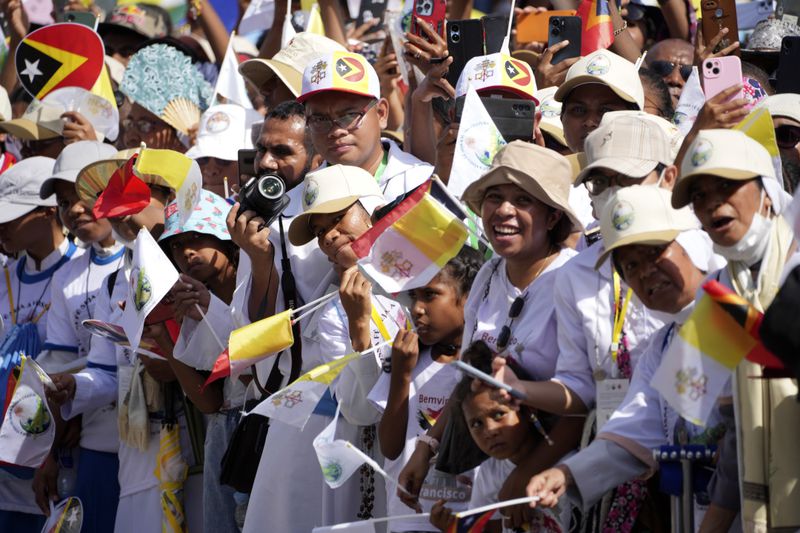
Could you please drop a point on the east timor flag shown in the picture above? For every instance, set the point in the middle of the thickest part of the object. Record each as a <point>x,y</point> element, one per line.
<point>59,55</point>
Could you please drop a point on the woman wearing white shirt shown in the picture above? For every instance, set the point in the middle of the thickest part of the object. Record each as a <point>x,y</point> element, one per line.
<point>523,201</point>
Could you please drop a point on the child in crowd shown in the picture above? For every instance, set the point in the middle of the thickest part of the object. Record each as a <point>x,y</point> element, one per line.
<point>507,435</point>
<point>414,393</point>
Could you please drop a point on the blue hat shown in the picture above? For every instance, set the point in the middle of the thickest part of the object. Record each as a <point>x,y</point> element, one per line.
<point>208,217</point>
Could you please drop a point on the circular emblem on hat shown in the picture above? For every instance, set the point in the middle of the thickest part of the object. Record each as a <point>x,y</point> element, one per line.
<point>622,216</point>
<point>350,69</point>
<point>27,413</point>
<point>702,152</point>
<point>141,287</point>
<point>311,193</point>
<point>599,66</point>
<point>517,72</point>
<point>550,108</point>
<point>218,122</point>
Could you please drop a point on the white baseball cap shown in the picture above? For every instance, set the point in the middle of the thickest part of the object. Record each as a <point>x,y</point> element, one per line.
<point>607,68</point>
<point>332,189</point>
<point>497,72</point>
<point>728,154</point>
<point>72,159</point>
<point>40,121</point>
<point>289,62</point>
<point>345,72</point>
<point>783,105</point>
<point>628,143</point>
<point>20,185</point>
<point>224,130</point>
<point>551,114</point>
<point>642,214</point>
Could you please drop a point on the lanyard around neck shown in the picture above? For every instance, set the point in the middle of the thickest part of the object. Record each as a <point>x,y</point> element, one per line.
<point>382,166</point>
<point>620,310</point>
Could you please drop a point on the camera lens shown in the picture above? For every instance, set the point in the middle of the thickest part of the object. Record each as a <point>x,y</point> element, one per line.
<point>555,31</point>
<point>709,64</point>
<point>455,37</point>
<point>715,71</point>
<point>271,187</point>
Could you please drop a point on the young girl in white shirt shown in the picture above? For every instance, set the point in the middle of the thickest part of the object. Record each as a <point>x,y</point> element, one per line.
<point>414,388</point>
<point>505,434</point>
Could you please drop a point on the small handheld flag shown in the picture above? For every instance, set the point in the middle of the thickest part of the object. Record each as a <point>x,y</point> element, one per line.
<point>598,31</point>
<point>125,194</point>
<point>181,172</point>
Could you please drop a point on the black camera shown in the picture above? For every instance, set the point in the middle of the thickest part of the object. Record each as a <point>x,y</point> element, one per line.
<point>266,195</point>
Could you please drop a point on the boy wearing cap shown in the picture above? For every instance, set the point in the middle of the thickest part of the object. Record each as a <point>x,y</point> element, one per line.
<point>661,252</point>
<point>338,202</point>
<point>75,288</point>
<point>28,227</point>
<point>346,114</point>
<point>597,83</point>
<point>112,370</point>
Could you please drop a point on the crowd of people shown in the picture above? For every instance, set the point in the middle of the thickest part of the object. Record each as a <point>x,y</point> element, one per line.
<point>591,236</point>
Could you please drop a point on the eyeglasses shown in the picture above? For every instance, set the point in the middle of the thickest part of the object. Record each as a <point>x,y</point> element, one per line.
<point>665,68</point>
<point>597,183</point>
<point>119,98</point>
<point>505,333</point>
<point>349,121</point>
<point>143,125</point>
<point>787,136</point>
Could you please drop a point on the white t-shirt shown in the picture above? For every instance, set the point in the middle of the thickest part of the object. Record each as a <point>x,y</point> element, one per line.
<point>533,342</point>
<point>31,290</point>
<point>431,386</point>
<point>489,479</point>
<point>584,302</point>
<point>75,288</point>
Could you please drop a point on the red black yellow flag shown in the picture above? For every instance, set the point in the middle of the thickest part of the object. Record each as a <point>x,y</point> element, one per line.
<point>59,55</point>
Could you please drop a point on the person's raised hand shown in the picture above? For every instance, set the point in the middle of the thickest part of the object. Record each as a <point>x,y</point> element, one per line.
<point>720,111</point>
<point>387,69</point>
<point>249,232</point>
<point>425,53</point>
<point>65,389</point>
<point>549,75</point>
<point>703,51</point>
<point>17,18</point>
<point>434,84</point>
<point>441,516</point>
<point>355,293</point>
<point>189,294</point>
<point>362,33</point>
<point>77,128</point>
<point>549,485</point>
<point>405,352</point>
<point>504,374</point>
<point>412,475</point>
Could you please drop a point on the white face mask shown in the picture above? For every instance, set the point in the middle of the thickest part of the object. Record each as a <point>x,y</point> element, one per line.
<point>751,247</point>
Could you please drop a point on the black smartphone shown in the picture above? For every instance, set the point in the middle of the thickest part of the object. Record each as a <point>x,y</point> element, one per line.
<point>494,31</point>
<point>564,29</point>
<point>787,78</point>
<point>371,9</point>
<point>247,163</point>
<point>512,116</point>
<point>464,41</point>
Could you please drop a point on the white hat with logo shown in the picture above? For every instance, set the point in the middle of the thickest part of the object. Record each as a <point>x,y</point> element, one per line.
<point>20,185</point>
<point>550,108</point>
<point>224,130</point>
<point>497,72</point>
<point>606,68</point>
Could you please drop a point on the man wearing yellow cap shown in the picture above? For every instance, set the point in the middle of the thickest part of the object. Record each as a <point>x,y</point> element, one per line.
<point>346,114</point>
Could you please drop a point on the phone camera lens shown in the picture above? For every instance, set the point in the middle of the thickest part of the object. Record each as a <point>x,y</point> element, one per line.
<point>709,64</point>
<point>455,37</point>
<point>556,31</point>
<point>715,71</point>
<point>718,13</point>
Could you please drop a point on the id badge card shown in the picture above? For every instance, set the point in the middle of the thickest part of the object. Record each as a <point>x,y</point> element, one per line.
<point>610,393</point>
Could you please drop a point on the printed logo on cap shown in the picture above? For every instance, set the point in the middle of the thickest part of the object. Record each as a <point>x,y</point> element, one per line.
<point>517,73</point>
<point>349,69</point>
<point>131,14</point>
<point>622,216</point>
<point>311,193</point>
<point>484,70</point>
<point>218,122</point>
<point>702,152</point>
<point>599,66</point>
<point>319,71</point>
<point>550,108</point>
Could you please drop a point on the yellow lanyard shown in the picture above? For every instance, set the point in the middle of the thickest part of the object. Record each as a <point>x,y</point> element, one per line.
<point>619,314</point>
<point>10,297</point>
<point>376,318</point>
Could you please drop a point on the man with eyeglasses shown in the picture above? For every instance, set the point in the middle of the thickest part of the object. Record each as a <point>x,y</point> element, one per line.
<point>672,60</point>
<point>785,111</point>
<point>345,114</point>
